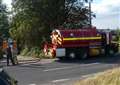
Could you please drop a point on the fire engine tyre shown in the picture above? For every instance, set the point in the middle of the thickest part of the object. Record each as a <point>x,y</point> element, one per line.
<point>70,53</point>
<point>111,51</point>
<point>116,49</point>
<point>84,55</point>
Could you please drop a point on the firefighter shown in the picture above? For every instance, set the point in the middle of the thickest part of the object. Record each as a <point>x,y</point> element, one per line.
<point>9,56</point>
<point>15,52</point>
<point>7,50</point>
<point>5,46</point>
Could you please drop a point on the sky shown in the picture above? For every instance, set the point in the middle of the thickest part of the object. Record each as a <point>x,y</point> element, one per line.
<point>107,13</point>
<point>8,3</point>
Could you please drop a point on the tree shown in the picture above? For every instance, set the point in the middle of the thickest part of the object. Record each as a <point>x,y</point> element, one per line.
<point>118,33</point>
<point>4,23</point>
<point>33,20</point>
<point>77,15</point>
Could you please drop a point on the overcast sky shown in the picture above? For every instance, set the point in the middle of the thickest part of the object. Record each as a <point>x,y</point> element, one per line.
<point>107,13</point>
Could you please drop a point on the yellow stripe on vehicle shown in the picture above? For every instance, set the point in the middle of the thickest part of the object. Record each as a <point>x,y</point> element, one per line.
<point>83,38</point>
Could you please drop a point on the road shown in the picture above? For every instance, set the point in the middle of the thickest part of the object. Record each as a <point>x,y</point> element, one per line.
<point>60,72</point>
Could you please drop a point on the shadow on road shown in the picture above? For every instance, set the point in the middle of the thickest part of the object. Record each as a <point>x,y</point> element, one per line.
<point>31,64</point>
<point>96,59</point>
<point>23,63</point>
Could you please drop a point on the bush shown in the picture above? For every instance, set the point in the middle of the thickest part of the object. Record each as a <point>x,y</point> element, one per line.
<point>34,52</point>
<point>24,52</point>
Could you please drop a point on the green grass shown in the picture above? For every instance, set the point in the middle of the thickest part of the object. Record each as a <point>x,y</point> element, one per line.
<point>110,77</point>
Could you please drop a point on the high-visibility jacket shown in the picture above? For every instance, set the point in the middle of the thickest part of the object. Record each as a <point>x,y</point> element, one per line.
<point>5,44</point>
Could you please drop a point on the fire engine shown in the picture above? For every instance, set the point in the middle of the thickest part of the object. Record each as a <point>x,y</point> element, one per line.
<point>80,43</point>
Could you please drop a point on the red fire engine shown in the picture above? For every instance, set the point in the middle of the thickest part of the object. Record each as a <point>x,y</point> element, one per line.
<point>80,43</point>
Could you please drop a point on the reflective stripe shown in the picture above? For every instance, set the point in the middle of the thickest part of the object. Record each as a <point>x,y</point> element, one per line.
<point>59,42</point>
<point>59,39</point>
<point>5,44</point>
<point>83,38</point>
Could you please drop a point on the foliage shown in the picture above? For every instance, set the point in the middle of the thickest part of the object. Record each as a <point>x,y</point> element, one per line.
<point>34,18</point>
<point>77,14</point>
<point>118,32</point>
<point>118,35</point>
<point>34,52</point>
<point>4,24</point>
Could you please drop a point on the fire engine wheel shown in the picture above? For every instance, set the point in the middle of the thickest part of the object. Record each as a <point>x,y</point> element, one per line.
<point>70,54</point>
<point>113,51</point>
<point>84,55</point>
<point>116,49</point>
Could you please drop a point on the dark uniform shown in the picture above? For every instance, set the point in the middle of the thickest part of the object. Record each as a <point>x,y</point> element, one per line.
<point>9,56</point>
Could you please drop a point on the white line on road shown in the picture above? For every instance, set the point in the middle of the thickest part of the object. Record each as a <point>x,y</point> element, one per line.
<point>32,84</point>
<point>89,64</point>
<point>60,80</point>
<point>88,75</point>
<point>54,69</point>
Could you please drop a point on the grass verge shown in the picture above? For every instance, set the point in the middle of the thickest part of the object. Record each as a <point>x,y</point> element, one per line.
<point>110,77</point>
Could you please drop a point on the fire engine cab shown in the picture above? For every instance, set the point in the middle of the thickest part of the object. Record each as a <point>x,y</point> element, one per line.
<point>80,43</point>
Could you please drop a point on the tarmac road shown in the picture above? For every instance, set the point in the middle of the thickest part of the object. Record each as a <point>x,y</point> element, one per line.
<point>60,72</point>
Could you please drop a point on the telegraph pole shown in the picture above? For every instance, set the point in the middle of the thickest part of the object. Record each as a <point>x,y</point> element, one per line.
<point>90,17</point>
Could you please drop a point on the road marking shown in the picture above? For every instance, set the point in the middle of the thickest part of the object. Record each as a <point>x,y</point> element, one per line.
<point>60,80</point>
<point>32,84</point>
<point>89,64</point>
<point>88,75</point>
<point>54,69</point>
